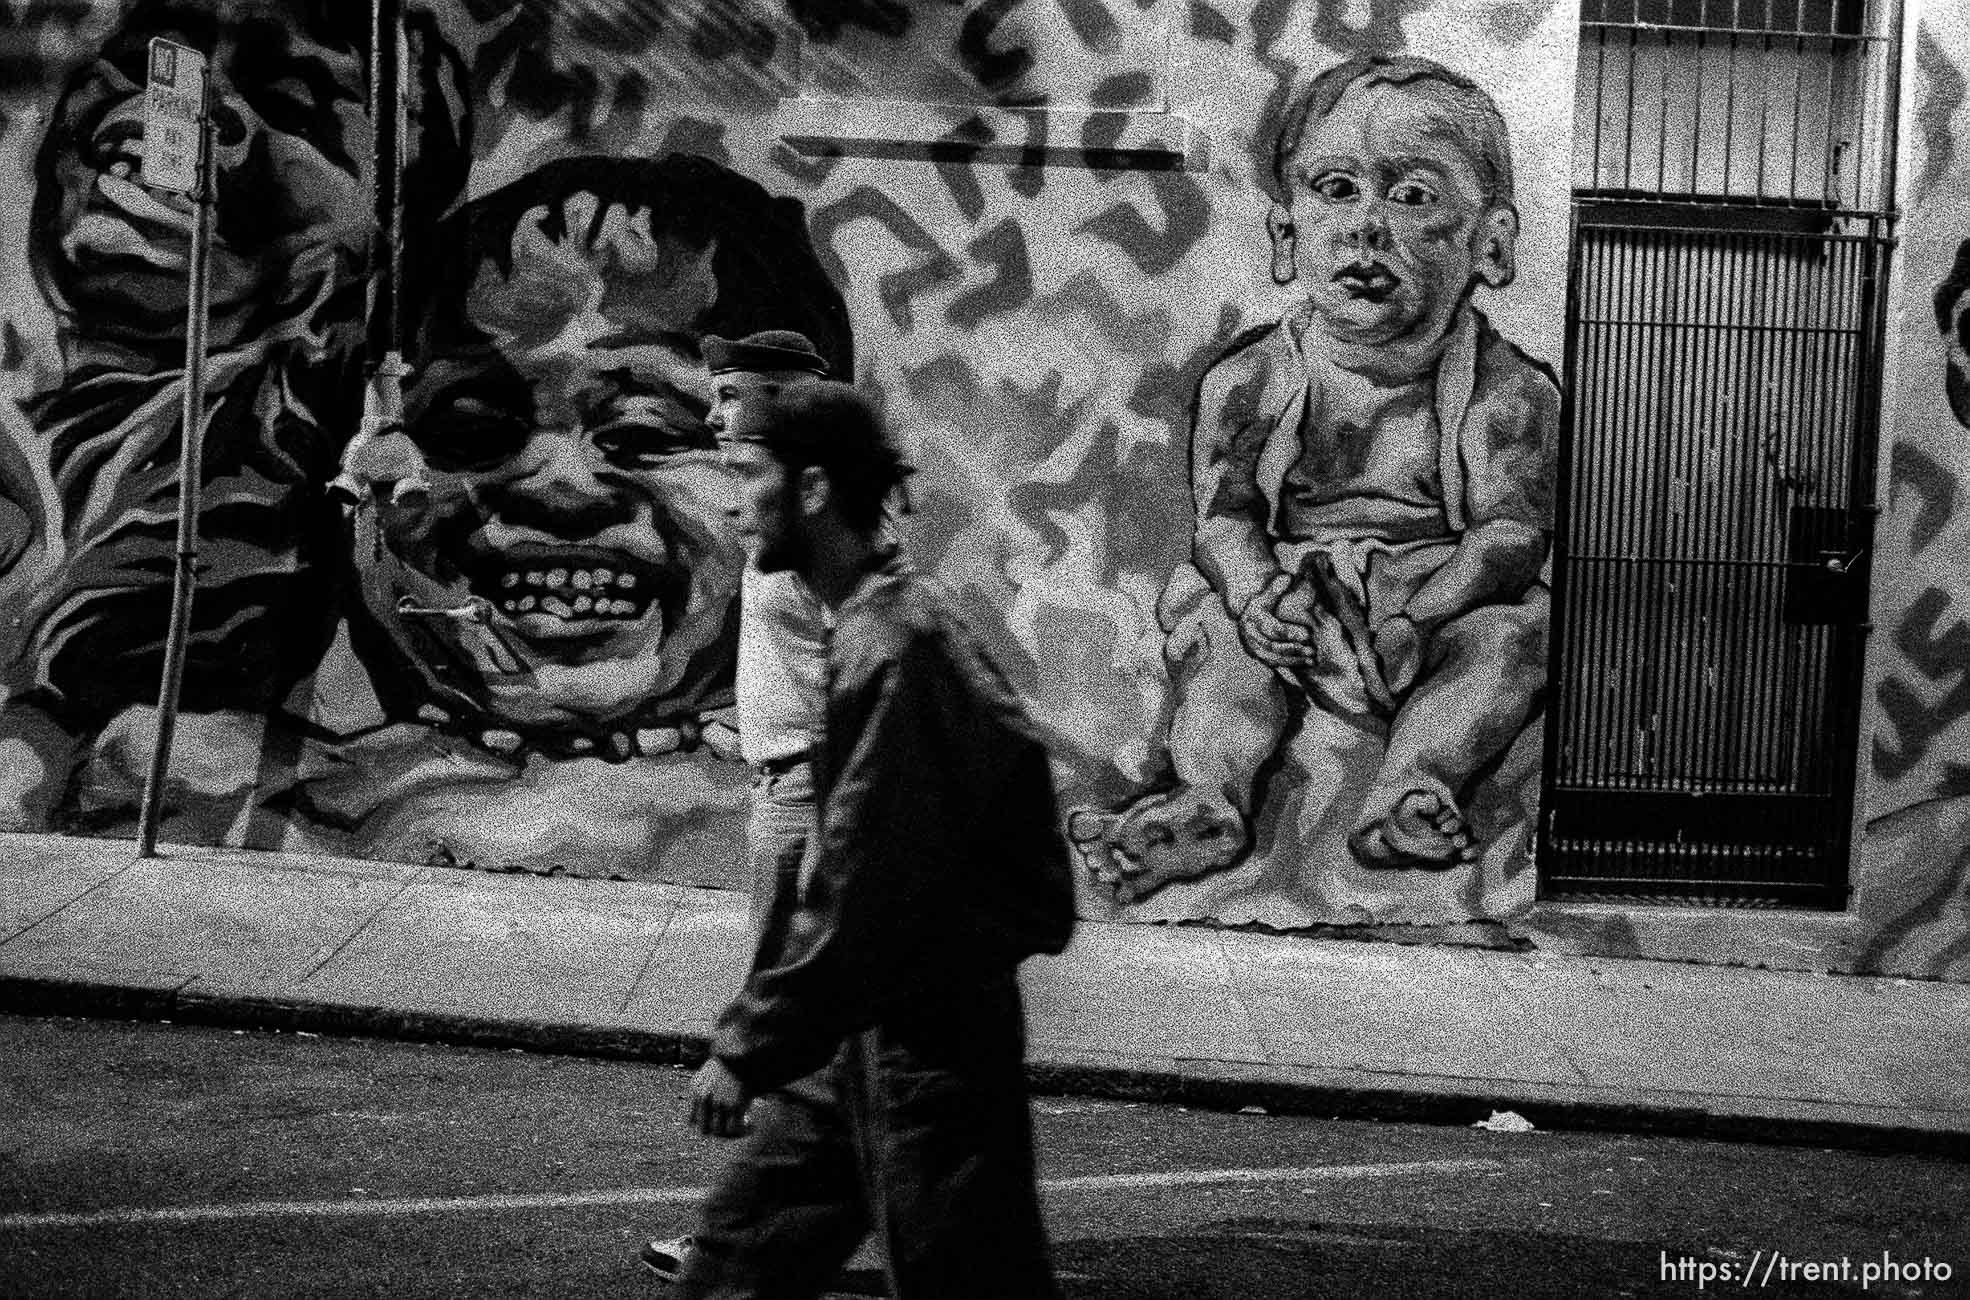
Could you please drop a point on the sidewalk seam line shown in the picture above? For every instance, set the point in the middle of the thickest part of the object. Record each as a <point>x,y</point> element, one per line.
<point>1238,1000</point>
<point>650,954</point>
<point>362,927</point>
<point>47,917</point>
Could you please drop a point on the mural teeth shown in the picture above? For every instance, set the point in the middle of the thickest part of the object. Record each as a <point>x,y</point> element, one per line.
<point>509,579</point>
<point>583,604</point>
<point>557,577</point>
<point>533,577</point>
<point>581,580</point>
<point>555,605</point>
<point>626,581</point>
<point>526,603</point>
<point>603,577</point>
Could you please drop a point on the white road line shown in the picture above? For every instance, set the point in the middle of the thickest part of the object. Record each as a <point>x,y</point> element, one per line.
<point>384,1206</point>
<point>375,1206</point>
<point>1309,1173</point>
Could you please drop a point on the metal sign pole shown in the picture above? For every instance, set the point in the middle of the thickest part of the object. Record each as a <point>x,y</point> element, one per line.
<point>190,479</point>
<point>383,403</point>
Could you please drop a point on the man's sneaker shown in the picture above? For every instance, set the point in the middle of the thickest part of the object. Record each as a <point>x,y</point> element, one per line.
<point>665,1256</point>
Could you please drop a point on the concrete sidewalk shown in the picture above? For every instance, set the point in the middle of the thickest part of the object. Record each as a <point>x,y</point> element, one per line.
<point>1194,1016</point>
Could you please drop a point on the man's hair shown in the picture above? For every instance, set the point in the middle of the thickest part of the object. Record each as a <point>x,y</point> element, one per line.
<point>1470,117</point>
<point>828,424</point>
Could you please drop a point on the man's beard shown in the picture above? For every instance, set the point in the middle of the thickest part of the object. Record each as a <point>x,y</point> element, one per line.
<point>785,552</point>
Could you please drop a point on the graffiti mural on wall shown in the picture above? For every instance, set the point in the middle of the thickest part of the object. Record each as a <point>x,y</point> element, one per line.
<point>1913,896</point>
<point>1372,478</point>
<point>503,634</point>
<point>554,454</point>
<point>543,551</point>
<point>108,256</point>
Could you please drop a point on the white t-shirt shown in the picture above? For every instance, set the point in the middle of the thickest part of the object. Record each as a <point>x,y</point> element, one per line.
<point>783,666</point>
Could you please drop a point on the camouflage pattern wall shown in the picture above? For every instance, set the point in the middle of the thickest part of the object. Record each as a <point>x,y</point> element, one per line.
<point>1116,269</point>
<point>1912,896</point>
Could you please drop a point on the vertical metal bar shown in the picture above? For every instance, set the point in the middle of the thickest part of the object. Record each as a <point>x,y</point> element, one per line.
<point>1615,257</point>
<point>1663,61</point>
<point>1854,93</point>
<point>1654,525</point>
<point>191,471</point>
<point>1618,279</point>
<point>387,116</point>
<point>1764,100</point>
<point>1628,142</point>
<point>1600,100</point>
<point>1672,444</point>
<point>1739,450</point>
<point>1832,178</point>
<point>1730,104</point>
<point>1582,454</point>
<point>1798,107</point>
<point>1696,118</point>
<point>1714,311</point>
<point>1781,307</point>
<point>1560,693</point>
<point>1617,450</point>
<point>1612,447</point>
<point>1793,301</point>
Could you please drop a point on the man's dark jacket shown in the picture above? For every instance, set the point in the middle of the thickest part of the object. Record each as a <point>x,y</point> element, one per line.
<point>941,865</point>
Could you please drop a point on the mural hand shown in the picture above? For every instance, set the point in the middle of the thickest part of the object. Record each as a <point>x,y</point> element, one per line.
<point>1280,642</point>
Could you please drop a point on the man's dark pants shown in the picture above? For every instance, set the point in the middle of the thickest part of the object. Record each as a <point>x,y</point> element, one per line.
<point>931,1147</point>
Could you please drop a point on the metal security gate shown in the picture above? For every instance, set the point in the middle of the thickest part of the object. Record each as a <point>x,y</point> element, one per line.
<point>1725,321</point>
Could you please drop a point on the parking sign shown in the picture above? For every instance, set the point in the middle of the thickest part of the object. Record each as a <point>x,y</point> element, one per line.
<point>174,99</point>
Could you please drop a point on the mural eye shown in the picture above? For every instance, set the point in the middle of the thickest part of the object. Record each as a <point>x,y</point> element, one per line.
<point>466,438</point>
<point>646,443</point>
<point>1412,194</point>
<point>1335,187</point>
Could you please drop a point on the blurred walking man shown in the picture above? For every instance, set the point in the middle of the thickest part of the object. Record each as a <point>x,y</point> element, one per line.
<point>938,869</point>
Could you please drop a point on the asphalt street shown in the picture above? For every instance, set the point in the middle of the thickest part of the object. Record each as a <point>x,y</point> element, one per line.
<point>160,1160</point>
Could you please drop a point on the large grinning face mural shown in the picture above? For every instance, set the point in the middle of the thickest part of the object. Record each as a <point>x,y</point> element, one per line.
<point>1049,222</point>
<point>546,549</point>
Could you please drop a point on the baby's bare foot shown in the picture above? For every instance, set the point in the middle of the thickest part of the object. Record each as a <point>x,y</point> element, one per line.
<point>1158,838</point>
<point>1423,830</point>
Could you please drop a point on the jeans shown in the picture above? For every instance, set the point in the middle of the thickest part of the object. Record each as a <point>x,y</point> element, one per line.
<point>779,842</point>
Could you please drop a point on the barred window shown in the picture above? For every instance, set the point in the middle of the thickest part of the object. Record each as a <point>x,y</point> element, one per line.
<point>1727,101</point>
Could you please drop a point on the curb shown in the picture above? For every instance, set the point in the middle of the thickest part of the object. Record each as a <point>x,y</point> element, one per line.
<point>1204,1085</point>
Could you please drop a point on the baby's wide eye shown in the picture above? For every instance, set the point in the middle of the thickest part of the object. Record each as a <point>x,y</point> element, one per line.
<point>1335,187</point>
<point>1412,194</point>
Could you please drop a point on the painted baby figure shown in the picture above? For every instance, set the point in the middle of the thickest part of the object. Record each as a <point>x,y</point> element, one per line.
<point>1372,477</point>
